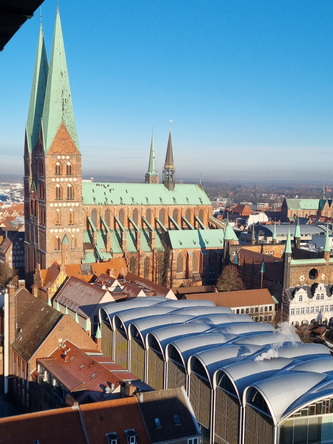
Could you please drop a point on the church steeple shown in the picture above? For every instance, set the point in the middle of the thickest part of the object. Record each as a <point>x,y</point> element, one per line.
<point>58,106</point>
<point>169,167</point>
<point>151,175</point>
<point>37,94</point>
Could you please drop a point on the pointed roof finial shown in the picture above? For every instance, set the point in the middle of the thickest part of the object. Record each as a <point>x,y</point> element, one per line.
<point>169,166</point>
<point>288,249</point>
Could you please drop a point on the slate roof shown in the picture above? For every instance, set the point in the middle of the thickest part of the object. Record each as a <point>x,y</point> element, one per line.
<point>35,320</point>
<point>142,194</point>
<point>165,405</point>
<point>78,295</point>
<point>145,284</point>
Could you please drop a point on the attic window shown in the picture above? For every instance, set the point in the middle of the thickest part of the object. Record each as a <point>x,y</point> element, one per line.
<point>81,366</point>
<point>112,438</point>
<point>131,436</point>
<point>157,423</point>
<point>93,375</point>
<point>176,420</point>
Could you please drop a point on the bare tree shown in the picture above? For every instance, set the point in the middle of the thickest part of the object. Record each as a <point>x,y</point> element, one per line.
<point>229,279</point>
<point>6,274</point>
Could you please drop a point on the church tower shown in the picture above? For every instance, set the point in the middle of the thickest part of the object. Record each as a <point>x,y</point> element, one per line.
<point>53,180</point>
<point>169,167</point>
<point>151,175</point>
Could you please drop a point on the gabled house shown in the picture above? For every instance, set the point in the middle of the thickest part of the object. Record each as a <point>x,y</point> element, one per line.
<point>36,330</point>
<point>82,301</point>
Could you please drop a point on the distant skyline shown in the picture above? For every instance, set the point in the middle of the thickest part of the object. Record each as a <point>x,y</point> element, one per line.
<point>248,85</point>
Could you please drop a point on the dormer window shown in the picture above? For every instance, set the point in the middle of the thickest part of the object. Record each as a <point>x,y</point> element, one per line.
<point>176,420</point>
<point>157,423</point>
<point>112,438</point>
<point>131,436</point>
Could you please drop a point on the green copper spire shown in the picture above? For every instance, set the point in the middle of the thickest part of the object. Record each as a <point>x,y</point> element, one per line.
<point>327,242</point>
<point>288,244</point>
<point>98,334</point>
<point>169,167</point>
<point>37,94</point>
<point>152,165</point>
<point>58,107</point>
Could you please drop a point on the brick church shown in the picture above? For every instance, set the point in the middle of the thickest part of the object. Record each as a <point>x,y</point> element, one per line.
<point>165,231</point>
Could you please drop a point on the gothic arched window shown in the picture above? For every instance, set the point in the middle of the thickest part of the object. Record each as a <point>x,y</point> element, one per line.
<point>175,215</point>
<point>94,217</point>
<point>57,169</point>
<point>136,216</point>
<point>73,242</point>
<point>162,216</point>
<point>57,243</point>
<point>108,217</point>
<point>146,268</point>
<point>195,262</point>
<point>69,170</point>
<point>71,217</point>
<point>188,215</point>
<point>58,217</point>
<point>122,216</point>
<point>149,216</point>
<point>180,262</point>
<point>70,192</point>
<point>202,216</point>
<point>58,192</point>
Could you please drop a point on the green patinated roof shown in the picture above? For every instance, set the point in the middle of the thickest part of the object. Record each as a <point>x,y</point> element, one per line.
<point>303,204</point>
<point>58,106</point>
<point>142,194</point>
<point>308,261</point>
<point>37,93</point>
<point>196,239</point>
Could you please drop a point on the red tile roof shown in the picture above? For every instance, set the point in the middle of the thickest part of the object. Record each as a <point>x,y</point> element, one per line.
<point>77,371</point>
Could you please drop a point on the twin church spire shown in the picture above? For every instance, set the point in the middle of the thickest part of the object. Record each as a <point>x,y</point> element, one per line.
<point>51,100</point>
<point>169,166</point>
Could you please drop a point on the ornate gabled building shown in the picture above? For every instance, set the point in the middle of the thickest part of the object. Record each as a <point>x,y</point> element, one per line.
<point>165,231</point>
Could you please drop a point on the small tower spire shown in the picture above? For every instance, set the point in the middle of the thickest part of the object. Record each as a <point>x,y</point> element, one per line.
<point>169,167</point>
<point>288,249</point>
<point>327,249</point>
<point>274,234</point>
<point>297,234</point>
<point>151,175</point>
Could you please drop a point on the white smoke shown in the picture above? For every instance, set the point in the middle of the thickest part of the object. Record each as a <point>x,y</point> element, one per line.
<point>271,353</point>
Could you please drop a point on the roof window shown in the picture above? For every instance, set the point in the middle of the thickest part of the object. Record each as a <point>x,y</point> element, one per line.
<point>112,438</point>
<point>157,423</point>
<point>176,420</point>
<point>131,436</point>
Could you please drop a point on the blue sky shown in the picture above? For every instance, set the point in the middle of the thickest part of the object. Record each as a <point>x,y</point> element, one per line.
<point>248,85</point>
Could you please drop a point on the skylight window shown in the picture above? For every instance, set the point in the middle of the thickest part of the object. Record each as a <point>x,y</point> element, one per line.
<point>176,420</point>
<point>157,423</point>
